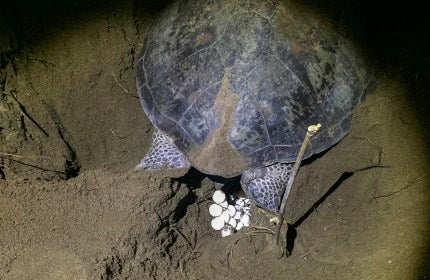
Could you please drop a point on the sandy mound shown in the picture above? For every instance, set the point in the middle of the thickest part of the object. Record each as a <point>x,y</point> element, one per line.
<point>72,130</point>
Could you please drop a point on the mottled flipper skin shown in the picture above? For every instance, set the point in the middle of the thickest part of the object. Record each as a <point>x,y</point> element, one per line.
<point>163,155</point>
<point>265,186</point>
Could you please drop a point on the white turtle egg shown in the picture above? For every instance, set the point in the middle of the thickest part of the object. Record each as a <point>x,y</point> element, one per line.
<point>215,210</point>
<point>232,222</point>
<point>217,223</point>
<point>225,216</point>
<point>239,225</point>
<point>231,210</point>
<point>245,220</point>
<point>218,197</point>
<point>238,214</point>
<point>240,202</point>
<point>226,231</point>
<point>224,204</point>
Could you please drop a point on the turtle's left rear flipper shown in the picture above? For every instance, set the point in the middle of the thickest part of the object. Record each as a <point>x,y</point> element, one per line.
<point>163,154</point>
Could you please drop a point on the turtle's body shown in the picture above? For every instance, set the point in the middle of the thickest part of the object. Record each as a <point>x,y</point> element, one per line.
<point>233,85</point>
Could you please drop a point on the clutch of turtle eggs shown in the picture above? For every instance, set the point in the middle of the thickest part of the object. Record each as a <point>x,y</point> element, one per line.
<point>229,218</point>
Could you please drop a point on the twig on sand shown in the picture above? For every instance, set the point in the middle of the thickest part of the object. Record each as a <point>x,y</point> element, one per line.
<point>43,61</point>
<point>310,132</point>
<point>25,113</point>
<point>123,87</point>
<point>116,134</point>
<point>21,156</point>
<point>410,184</point>
<point>175,229</point>
<point>119,84</point>
<point>255,232</point>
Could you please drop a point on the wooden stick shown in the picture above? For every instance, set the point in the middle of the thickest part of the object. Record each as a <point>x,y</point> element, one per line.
<point>311,131</point>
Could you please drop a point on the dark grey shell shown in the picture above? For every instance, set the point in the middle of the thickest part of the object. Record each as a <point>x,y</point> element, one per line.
<point>288,67</point>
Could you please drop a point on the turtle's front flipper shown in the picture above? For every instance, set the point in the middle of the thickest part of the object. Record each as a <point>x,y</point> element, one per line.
<point>265,186</point>
<point>163,155</point>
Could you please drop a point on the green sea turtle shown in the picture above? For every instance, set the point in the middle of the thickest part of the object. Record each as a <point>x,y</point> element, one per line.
<point>232,85</point>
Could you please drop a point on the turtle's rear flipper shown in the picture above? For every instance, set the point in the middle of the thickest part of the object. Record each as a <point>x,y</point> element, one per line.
<point>265,186</point>
<point>163,155</point>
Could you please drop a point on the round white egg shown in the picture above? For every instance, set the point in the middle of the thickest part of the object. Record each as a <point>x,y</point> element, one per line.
<point>232,222</point>
<point>240,202</point>
<point>225,216</point>
<point>215,210</point>
<point>217,223</point>
<point>231,210</point>
<point>239,225</point>
<point>238,215</point>
<point>224,204</point>
<point>245,220</point>
<point>218,197</point>
<point>246,210</point>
